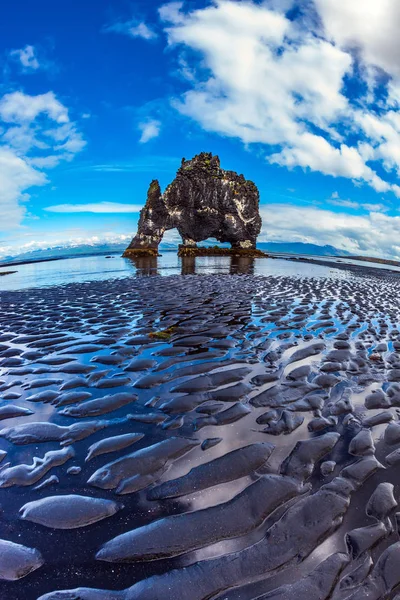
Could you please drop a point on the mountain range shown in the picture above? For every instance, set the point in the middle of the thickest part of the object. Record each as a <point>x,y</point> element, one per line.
<point>59,252</point>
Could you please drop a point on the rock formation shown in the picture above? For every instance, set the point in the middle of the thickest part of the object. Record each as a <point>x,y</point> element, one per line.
<point>203,201</point>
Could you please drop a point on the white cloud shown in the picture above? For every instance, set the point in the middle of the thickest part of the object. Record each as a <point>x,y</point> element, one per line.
<point>374,207</point>
<point>370,26</point>
<point>27,57</point>
<point>98,207</point>
<point>343,203</point>
<point>142,30</point>
<point>335,200</point>
<point>35,134</point>
<point>150,129</point>
<point>172,12</point>
<point>18,107</point>
<point>258,76</point>
<point>315,153</point>
<point>16,176</point>
<point>374,234</point>
<point>134,29</point>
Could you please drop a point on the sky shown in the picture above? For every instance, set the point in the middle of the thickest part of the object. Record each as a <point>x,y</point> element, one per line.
<point>99,98</point>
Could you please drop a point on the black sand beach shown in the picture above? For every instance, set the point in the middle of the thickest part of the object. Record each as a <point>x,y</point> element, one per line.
<point>198,436</point>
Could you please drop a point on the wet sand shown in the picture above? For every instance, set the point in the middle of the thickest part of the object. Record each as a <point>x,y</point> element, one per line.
<point>201,436</point>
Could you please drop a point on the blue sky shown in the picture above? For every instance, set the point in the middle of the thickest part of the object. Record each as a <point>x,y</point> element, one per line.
<point>97,99</point>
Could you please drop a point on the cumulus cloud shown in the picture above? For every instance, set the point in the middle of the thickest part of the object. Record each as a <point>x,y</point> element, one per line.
<point>16,176</point>
<point>367,25</point>
<point>133,28</point>
<point>150,129</point>
<point>27,57</point>
<point>267,79</point>
<point>374,234</point>
<point>36,133</point>
<point>98,207</point>
<point>18,107</point>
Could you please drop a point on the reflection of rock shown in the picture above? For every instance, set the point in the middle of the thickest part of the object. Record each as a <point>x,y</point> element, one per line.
<point>203,201</point>
<point>242,264</point>
<point>237,264</point>
<point>145,265</point>
<point>188,265</point>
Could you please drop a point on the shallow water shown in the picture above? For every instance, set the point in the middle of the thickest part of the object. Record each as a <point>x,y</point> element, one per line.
<point>123,371</point>
<point>100,268</point>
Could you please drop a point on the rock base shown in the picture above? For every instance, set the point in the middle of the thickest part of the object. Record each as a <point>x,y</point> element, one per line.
<point>217,251</point>
<point>138,252</point>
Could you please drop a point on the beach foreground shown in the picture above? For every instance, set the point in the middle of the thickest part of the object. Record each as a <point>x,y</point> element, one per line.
<point>201,436</point>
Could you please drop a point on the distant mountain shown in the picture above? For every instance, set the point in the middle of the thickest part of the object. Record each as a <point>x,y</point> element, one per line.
<point>60,252</point>
<point>301,248</point>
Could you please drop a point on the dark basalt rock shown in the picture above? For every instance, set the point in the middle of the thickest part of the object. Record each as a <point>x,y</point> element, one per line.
<point>203,201</point>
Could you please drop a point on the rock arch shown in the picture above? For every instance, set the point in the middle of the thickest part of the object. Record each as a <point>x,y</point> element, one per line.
<point>203,201</point>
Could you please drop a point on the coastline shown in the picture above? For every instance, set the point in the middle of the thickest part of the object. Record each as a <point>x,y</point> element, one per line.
<point>339,262</point>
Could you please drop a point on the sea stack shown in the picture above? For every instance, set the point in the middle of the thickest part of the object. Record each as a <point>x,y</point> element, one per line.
<point>203,201</point>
